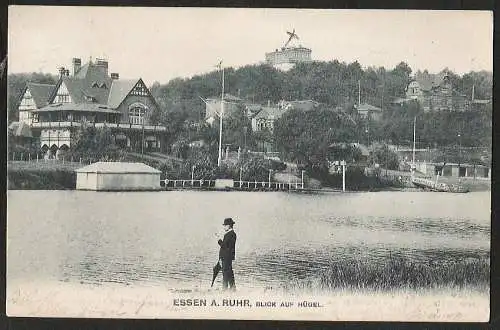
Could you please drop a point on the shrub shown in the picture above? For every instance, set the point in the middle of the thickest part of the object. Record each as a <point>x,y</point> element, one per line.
<point>42,179</point>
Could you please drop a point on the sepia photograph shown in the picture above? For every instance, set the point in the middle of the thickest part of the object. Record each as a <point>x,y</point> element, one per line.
<point>249,163</point>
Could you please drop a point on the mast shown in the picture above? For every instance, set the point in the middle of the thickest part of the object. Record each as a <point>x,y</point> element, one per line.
<point>413,160</point>
<point>472,92</point>
<point>220,117</point>
<point>359,92</point>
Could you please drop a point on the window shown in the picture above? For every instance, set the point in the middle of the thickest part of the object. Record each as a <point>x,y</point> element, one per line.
<point>62,98</point>
<point>137,113</point>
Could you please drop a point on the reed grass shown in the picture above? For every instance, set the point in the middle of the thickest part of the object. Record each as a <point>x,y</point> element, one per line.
<point>399,273</point>
<point>41,178</point>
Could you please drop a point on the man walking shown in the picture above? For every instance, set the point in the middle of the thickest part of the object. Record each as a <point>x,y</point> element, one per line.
<point>226,254</point>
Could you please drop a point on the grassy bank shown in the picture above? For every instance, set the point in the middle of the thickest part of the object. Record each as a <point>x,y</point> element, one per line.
<point>399,272</point>
<point>43,175</point>
<point>356,180</point>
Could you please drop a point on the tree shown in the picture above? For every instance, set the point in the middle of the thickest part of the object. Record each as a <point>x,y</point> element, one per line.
<point>306,137</point>
<point>233,128</point>
<point>385,157</point>
<point>89,142</point>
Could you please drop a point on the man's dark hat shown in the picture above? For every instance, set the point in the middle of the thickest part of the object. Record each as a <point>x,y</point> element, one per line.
<point>228,221</point>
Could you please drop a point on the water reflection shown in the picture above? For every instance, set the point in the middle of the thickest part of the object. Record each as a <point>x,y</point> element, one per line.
<point>104,238</point>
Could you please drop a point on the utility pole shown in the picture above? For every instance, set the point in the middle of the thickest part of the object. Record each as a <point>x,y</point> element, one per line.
<point>142,144</point>
<point>221,115</point>
<point>386,159</point>
<point>343,175</point>
<point>359,92</point>
<point>245,132</point>
<point>413,161</point>
<point>192,175</point>
<point>241,169</point>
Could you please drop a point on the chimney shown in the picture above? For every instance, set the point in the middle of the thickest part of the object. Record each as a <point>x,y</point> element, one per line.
<point>103,64</point>
<point>77,64</point>
<point>62,71</point>
<point>115,76</point>
<point>66,72</point>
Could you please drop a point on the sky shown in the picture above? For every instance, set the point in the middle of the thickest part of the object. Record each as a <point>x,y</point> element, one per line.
<point>158,44</point>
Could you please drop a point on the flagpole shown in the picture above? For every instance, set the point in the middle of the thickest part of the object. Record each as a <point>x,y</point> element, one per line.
<point>359,92</point>
<point>220,118</point>
<point>414,135</point>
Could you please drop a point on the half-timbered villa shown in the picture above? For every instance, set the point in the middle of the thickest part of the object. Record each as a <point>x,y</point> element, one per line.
<point>90,96</point>
<point>435,92</point>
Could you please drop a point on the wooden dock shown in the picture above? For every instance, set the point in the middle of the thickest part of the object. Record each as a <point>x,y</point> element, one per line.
<point>438,186</point>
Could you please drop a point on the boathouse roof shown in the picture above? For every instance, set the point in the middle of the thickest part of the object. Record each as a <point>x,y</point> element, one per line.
<point>117,167</point>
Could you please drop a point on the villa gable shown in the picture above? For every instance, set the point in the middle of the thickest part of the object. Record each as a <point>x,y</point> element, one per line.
<point>61,94</point>
<point>132,98</point>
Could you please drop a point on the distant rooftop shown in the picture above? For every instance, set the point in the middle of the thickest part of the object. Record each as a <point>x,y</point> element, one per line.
<point>367,107</point>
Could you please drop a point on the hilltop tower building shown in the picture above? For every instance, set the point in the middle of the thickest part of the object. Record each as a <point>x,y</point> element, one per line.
<point>290,54</point>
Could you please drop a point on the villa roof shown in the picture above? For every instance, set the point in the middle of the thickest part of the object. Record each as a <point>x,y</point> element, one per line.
<point>119,90</point>
<point>269,113</point>
<point>91,86</point>
<point>80,88</point>
<point>227,98</point>
<point>477,101</point>
<point>90,107</point>
<point>399,100</point>
<point>427,81</point>
<point>40,93</point>
<point>117,167</point>
<point>253,107</point>
<point>230,97</point>
<point>304,105</point>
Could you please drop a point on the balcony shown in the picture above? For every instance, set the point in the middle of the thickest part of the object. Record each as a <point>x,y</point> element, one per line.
<point>121,126</point>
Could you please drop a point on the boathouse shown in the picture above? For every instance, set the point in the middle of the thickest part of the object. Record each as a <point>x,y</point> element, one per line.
<point>117,176</point>
<point>454,170</point>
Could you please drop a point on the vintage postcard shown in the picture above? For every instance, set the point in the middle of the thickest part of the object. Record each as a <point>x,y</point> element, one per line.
<point>276,164</point>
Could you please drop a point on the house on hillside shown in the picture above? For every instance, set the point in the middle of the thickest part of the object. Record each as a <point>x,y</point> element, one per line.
<point>369,111</point>
<point>213,107</point>
<point>435,92</point>
<point>266,118</point>
<point>252,109</point>
<point>90,96</point>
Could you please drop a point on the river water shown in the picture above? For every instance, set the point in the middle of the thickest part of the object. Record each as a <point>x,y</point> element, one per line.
<point>170,238</point>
